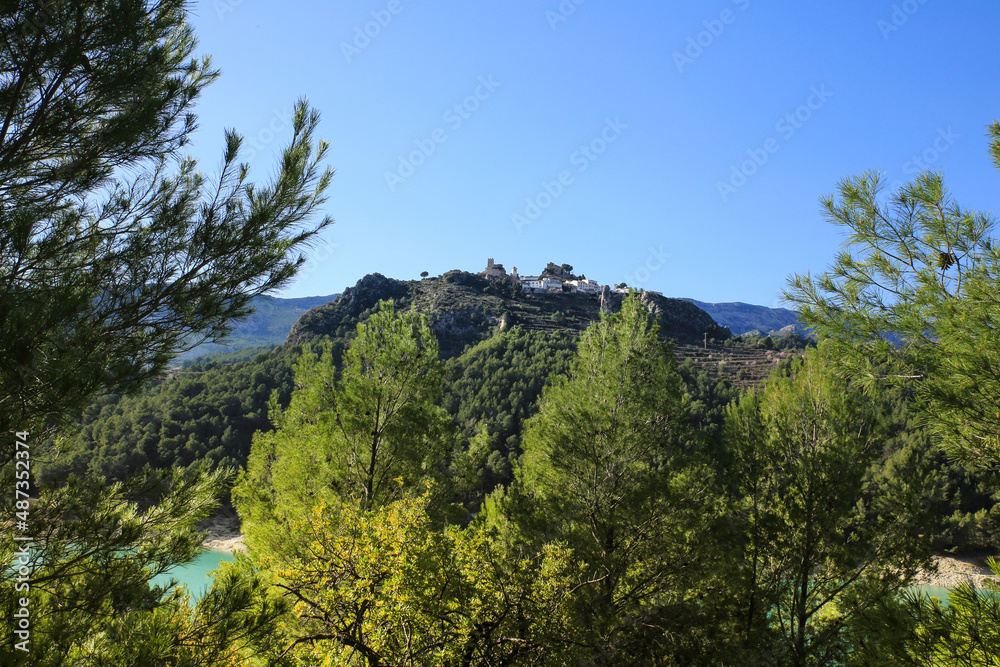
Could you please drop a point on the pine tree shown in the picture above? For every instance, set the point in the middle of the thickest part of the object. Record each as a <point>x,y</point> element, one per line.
<point>609,468</point>
<point>361,435</point>
<point>916,285</point>
<point>115,254</point>
<point>828,526</point>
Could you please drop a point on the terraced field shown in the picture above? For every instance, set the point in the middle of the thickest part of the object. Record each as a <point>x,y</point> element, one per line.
<point>744,367</point>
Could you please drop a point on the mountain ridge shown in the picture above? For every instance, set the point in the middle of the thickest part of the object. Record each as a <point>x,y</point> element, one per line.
<point>465,308</point>
<point>276,319</point>
<point>743,318</point>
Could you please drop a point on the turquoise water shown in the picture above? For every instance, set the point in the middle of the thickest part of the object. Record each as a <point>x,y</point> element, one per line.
<point>940,592</point>
<point>194,575</point>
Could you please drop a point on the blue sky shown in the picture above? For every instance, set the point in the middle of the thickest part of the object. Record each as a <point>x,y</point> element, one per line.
<point>679,147</point>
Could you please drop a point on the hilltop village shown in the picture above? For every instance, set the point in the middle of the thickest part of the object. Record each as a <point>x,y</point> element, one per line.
<point>555,278</point>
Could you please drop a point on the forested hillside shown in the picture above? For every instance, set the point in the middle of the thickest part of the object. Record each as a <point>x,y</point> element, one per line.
<point>500,347</point>
<point>208,412</point>
<point>463,307</point>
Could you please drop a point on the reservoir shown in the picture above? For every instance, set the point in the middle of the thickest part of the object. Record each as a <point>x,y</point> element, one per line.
<point>194,575</point>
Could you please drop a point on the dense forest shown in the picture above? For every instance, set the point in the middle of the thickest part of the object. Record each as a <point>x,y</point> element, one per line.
<point>492,486</point>
<point>208,412</point>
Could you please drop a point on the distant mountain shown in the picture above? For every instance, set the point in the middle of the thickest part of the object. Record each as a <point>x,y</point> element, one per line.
<point>742,318</point>
<point>270,323</point>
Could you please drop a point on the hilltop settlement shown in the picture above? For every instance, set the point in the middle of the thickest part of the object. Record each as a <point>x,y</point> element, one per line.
<point>555,278</point>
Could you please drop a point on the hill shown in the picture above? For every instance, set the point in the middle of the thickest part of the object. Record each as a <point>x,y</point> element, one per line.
<point>466,308</point>
<point>500,344</point>
<point>744,318</point>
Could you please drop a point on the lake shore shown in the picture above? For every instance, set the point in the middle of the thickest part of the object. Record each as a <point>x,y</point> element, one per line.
<point>949,571</point>
<point>955,570</point>
<point>223,533</point>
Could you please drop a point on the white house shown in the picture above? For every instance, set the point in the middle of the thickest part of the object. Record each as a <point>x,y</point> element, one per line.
<point>530,283</point>
<point>586,285</point>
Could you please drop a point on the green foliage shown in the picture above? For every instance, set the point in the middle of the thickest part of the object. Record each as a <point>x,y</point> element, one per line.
<point>492,388</point>
<point>105,280</point>
<point>916,285</point>
<point>706,399</point>
<point>916,630</point>
<point>89,597</point>
<point>349,436</point>
<point>503,287</point>
<point>787,342</point>
<point>828,524</point>
<point>383,587</point>
<point>115,254</point>
<point>608,468</point>
<point>202,414</point>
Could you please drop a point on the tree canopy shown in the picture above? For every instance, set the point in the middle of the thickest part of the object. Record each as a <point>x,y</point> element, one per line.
<point>362,434</point>
<point>116,253</point>
<point>913,298</point>
<point>610,468</point>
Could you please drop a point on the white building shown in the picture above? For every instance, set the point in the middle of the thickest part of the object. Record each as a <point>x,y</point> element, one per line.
<point>555,284</point>
<point>586,285</point>
<point>530,283</point>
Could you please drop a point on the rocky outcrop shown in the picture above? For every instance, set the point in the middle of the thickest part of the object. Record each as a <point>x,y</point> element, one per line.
<point>352,305</point>
<point>457,329</point>
<point>952,571</point>
<point>682,320</point>
<point>605,299</point>
<point>464,308</point>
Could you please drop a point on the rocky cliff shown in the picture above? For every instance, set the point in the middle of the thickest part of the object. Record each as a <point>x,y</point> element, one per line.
<point>464,308</point>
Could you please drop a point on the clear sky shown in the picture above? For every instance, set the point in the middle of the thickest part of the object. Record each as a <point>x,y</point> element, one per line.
<point>679,147</point>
